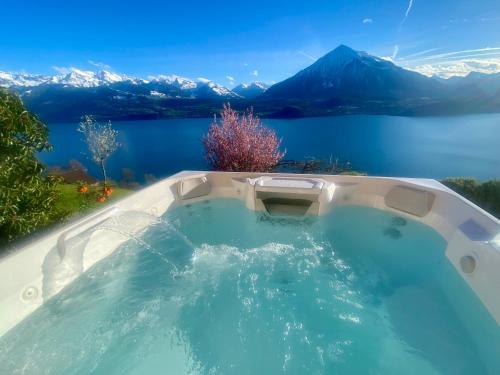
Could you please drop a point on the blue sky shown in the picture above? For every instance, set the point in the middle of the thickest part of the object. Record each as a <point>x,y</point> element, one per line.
<point>245,40</point>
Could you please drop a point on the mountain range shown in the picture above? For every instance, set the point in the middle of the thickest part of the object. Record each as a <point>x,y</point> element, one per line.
<point>344,81</point>
<point>163,86</point>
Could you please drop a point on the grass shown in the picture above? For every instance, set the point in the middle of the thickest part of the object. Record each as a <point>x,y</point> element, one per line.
<point>72,202</point>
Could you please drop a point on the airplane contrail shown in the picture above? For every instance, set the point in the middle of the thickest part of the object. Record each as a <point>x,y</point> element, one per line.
<point>408,10</point>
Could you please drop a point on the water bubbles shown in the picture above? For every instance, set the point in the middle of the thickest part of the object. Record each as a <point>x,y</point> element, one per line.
<point>336,350</point>
<point>350,317</point>
<point>247,303</point>
<point>252,294</point>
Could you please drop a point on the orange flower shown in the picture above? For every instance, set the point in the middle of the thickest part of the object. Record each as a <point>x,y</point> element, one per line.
<point>107,191</point>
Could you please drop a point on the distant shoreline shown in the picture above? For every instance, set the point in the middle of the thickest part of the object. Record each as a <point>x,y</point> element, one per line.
<point>210,116</point>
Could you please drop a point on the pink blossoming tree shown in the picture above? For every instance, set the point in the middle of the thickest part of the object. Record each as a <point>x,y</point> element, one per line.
<point>241,143</point>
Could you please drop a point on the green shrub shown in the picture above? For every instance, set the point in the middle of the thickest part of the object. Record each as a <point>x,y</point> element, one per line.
<point>27,195</point>
<point>485,194</point>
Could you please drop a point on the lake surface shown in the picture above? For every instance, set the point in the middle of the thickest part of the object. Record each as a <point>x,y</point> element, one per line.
<point>432,147</point>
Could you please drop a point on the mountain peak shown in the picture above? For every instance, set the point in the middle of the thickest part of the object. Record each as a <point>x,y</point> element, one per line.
<point>335,61</point>
<point>342,48</point>
<point>251,90</point>
<point>341,54</point>
<point>344,72</point>
<point>110,77</point>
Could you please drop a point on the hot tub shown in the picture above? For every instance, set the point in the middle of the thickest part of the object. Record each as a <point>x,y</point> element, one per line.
<point>235,273</point>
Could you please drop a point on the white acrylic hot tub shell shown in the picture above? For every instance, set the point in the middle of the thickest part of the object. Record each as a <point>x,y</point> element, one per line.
<point>22,272</point>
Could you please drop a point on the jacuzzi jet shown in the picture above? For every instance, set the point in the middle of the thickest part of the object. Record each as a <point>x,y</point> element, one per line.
<point>398,221</point>
<point>284,206</point>
<point>290,220</point>
<point>468,263</point>
<point>393,233</point>
<point>30,294</point>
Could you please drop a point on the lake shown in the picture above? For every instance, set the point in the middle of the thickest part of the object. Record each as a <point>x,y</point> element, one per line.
<point>432,147</point>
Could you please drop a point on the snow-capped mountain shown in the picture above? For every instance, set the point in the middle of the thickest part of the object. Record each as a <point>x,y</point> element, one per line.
<point>22,79</point>
<point>207,88</point>
<point>171,86</point>
<point>355,76</point>
<point>251,90</point>
<point>342,81</point>
<point>199,88</point>
<point>74,78</point>
<point>86,78</point>
<point>110,95</point>
<point>78,78</point>
<point>175,80</point>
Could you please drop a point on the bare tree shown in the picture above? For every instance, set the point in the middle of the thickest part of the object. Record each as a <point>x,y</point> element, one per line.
<point>101,141</point>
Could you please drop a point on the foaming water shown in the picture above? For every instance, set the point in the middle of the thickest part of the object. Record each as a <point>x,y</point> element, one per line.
<point>357,292</point>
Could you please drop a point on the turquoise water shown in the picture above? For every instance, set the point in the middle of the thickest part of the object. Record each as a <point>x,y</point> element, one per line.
<point>224,290</point>
<point>431,147</point>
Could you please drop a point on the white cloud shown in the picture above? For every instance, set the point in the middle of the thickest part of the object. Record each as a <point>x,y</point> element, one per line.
<point>367,21</point>
<point>255,73</point>
<point>456,63</point>
<point>459,67</point>
<point>99,65</point>
<point>395,52</point>
<point>230,79</point>
<point>63,69</point>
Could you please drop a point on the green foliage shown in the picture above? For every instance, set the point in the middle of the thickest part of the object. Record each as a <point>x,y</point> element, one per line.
<point>27,195</point>
<point>484,194</point>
